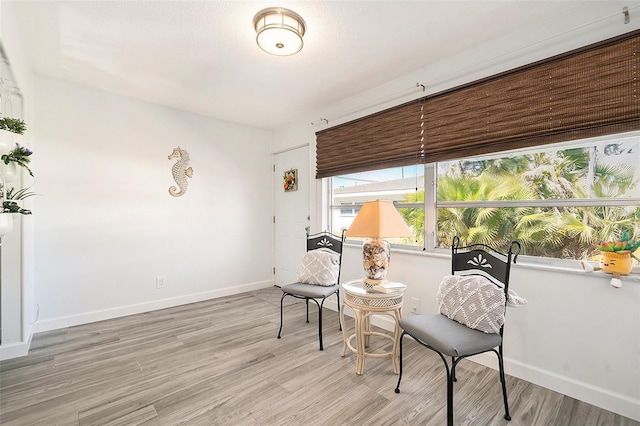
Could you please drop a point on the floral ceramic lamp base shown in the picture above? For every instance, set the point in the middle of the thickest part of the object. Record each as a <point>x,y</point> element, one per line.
<point>375,259</point>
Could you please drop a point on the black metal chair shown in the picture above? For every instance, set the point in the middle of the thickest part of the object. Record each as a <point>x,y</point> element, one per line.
<point>324,241</point>
<point>450,338</point>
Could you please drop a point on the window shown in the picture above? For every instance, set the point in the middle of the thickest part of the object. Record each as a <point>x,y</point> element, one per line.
<point>555,161</point>
<point>404,186</point>
<point>349,209</point>
<point>557,200</point>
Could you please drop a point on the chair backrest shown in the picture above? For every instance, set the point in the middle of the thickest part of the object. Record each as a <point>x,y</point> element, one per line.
<point>485,261</point>
<point>329,242</point>
<point>481,259</point>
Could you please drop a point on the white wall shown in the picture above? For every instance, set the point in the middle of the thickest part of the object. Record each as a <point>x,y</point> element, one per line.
<point>578,335</point>
<point>16,261</point>
<point>106,224</point>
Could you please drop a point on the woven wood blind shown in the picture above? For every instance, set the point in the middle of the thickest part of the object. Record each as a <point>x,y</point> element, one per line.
<point>588,92</point>
<point>385,139</point>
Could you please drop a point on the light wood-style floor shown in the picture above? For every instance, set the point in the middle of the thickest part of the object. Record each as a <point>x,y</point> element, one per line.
<point>219,363</point>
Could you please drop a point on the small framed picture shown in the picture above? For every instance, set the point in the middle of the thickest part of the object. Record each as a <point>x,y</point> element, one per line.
<point>290,180</point>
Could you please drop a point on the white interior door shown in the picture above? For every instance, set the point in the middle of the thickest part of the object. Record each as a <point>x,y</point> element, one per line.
<point>291,214</point>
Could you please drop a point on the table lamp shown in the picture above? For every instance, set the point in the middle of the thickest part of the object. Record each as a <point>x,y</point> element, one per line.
<point>377,220</point>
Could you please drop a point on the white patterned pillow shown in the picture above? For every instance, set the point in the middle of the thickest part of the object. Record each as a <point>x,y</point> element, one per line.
<point>320,267</point>
<point>472,300</point>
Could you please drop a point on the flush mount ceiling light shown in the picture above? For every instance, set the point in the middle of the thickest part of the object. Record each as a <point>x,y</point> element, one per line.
<point>279,31</point>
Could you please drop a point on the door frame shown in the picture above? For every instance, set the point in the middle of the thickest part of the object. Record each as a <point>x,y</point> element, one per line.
<point>310,187</point>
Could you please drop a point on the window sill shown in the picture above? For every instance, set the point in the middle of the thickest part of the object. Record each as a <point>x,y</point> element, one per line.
<point>633,276</point>
<point>560,266</point>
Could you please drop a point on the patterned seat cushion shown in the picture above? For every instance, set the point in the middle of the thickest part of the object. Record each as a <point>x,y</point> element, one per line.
<point>320,267</point>
<point>472,300</point>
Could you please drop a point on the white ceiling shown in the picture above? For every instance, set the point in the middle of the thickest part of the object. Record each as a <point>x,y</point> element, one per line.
<point>201,56</point>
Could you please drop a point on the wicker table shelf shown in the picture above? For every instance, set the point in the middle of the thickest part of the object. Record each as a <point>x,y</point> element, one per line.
<point>364,304</point>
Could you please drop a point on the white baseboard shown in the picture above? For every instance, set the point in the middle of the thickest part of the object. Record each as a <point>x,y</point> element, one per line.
<point>121,311</point>
<point>14,350</point>
<point>17,349</point>
<point>599,397</point>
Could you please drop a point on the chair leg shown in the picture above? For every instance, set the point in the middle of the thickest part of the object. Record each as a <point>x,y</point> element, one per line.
<point>450,380</point>
<point>307,300</point>
<point>400,362</point>
<point>319,322</point>
<point>453,369</point>
<point>507,416</point>
<point>339,317</point>
<point>281,300</point>
<point>450,375</point>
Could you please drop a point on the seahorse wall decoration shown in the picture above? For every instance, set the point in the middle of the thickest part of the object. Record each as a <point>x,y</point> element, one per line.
<point>180,171</point>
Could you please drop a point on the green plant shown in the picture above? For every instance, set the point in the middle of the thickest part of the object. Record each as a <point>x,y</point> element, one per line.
<point>10,205</point>
<point>13,207</point>
<point>14,125</point>
<point>20,194</point>
<point>20,155</point>
<point>624,245</point>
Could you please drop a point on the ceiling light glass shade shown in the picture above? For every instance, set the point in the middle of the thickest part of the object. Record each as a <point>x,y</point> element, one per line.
<point>279,31</point>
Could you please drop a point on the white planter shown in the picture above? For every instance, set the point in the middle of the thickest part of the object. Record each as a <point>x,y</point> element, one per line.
<point>8,141</point>
<point>6,223</point>
<point>9,172</point>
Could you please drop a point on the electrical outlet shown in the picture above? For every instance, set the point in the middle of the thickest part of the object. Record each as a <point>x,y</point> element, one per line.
<point>415,306</point>
<point>160,282</point>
